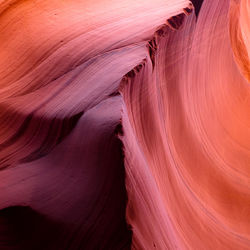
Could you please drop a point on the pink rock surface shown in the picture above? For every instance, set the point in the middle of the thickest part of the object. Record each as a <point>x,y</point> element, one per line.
<point>124,124</point>
<point>187,135</point>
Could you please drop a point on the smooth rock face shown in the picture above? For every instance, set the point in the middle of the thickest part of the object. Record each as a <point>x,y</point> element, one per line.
<point>124,124</point>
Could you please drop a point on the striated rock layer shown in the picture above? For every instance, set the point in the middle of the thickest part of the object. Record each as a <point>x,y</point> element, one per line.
<point>124,124</point>
<point>186,119</point>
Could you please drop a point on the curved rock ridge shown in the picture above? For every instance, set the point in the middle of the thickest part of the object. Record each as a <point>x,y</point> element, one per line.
<point>124,124</point>
<point>61,163</point>
<point>186,133</point>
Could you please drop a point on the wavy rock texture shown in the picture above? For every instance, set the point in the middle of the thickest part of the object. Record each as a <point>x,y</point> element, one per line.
<point>62,173</point>
<point>124,124</point>
<point>187,134</point>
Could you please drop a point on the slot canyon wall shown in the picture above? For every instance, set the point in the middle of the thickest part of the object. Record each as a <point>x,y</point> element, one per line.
<point>124,124</point>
